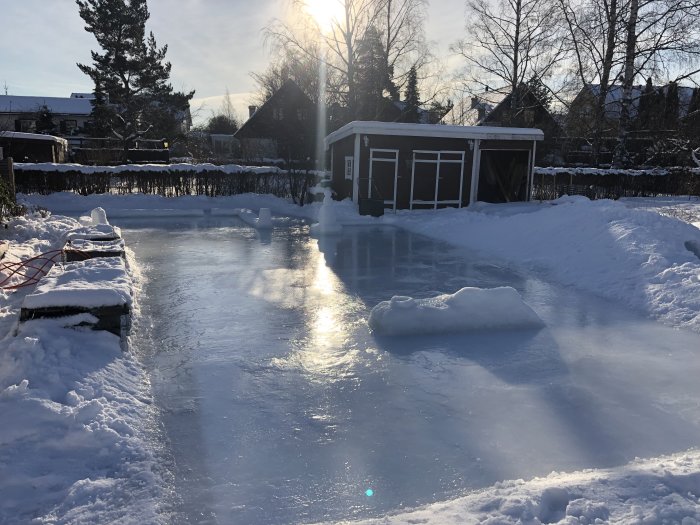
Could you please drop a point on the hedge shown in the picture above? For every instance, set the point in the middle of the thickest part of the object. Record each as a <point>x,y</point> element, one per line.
<point>165,181</point>
<point>551,183</point>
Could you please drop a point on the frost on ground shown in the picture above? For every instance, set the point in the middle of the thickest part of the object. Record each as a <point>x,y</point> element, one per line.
<point>73,412</point>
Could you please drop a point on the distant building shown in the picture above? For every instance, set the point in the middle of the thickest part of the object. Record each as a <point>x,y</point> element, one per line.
<point>70,115</point>
<point>284,127</point>
<point>582,112</point>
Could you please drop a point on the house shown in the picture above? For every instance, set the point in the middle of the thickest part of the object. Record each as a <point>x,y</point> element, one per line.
<point>64,116</point>
<point>283,127</point>
<point>423,166</point>
<point>528,112</point>
<point>582,112</point>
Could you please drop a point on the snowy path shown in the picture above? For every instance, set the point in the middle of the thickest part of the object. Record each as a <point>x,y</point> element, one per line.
<point>281,407</point>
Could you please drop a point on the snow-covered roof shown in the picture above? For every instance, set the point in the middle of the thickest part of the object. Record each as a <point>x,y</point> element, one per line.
<point>58,105</point>
<point>32,136</point>
<point>433,130</point>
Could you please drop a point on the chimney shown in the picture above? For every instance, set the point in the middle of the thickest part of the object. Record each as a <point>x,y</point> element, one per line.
<point>475,102</point>
<point>252,110</point>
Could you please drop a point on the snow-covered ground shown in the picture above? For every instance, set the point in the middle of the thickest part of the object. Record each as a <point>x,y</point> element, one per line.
<point>76,439</point>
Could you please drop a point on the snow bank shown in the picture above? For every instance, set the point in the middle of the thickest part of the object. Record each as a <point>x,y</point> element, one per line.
<point>229,169</point>
<point>139,205</point>
<point>662,490</point>
<point>466,309</point>
<point>633,256</point>
<point>96,232</point>
<point>75,410</point>
<point>93,283</point>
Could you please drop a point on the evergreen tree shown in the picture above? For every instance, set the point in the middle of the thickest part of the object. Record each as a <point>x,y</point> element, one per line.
<point>412,97</point>
<point>671,104</point>
<point>650,112</point>
<point>371,76</point>
<point>131,77</point>
<point>44,121</point>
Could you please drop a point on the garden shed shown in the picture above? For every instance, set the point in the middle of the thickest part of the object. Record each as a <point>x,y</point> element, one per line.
<point>429,166</point>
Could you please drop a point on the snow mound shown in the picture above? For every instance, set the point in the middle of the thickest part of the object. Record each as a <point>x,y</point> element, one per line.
<point>96,232</point>
<point>466,309</point>
<point>92,283</point>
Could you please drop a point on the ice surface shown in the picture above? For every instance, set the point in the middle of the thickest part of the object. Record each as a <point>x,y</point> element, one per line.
<point>281,407</point>
<point>467,309</point>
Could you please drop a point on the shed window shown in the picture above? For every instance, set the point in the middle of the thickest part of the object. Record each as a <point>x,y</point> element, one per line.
<point>349,164</point>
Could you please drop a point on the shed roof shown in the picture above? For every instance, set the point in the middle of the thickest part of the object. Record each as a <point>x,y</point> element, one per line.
<point>16,135</point>
<point>432,130</point>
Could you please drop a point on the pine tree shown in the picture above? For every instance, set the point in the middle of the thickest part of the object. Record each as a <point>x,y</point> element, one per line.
<point>44,121</point>
<point>412,97</point>
<point>131,76</point>
<point>371,76</point>
<point>671,104</point>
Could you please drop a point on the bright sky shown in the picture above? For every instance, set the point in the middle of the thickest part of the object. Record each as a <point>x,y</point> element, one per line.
<point>212,45</point>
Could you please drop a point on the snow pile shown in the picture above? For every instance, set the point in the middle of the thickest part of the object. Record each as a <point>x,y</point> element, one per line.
<point>85,245</point>
<point>228,169</point>
<point>633,256</point>
<point>327,217</point>
<point>98,216</point>
<point>96,232</point>
<point>663,490</point>
<point>466,309</point>
<point>93,283</point>
<point>74,411</point>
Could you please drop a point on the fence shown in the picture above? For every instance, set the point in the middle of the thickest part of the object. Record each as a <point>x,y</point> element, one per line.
<point>167,181</point>
<point>551,183</point>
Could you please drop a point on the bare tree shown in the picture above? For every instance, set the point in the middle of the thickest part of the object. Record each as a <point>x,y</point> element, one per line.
<point>399,22</point>
<point>661,37</point>
<point>595,35</point>
<point>614,41</point>
<point>510,42</point>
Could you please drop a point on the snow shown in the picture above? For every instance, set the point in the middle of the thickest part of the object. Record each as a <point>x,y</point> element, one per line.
<point>32,136</point>
<point>467,309</point>
<point>95,232</point>
<point>74,410</point>
<point>75,444</point>
<point>92,283</point>
<point>633,256</point>
<point>228,169</point>
<point>86,245</point>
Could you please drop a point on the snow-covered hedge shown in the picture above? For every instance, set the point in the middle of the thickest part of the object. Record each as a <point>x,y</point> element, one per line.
<point>166,180</point>
<point>550,183</point>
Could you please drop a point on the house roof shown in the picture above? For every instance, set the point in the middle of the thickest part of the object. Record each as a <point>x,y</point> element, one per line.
<point>289,85</point>
<point>432,130</point>
<point>58,105</point>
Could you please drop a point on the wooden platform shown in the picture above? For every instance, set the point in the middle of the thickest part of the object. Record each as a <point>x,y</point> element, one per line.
<point>82,249</point>
<point>114,319</point>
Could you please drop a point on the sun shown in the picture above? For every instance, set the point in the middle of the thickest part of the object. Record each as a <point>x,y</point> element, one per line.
<point>324,12</point>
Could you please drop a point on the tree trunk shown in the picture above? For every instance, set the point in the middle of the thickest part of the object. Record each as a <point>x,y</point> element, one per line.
<point>621,157</point>
<point>604,81</point>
